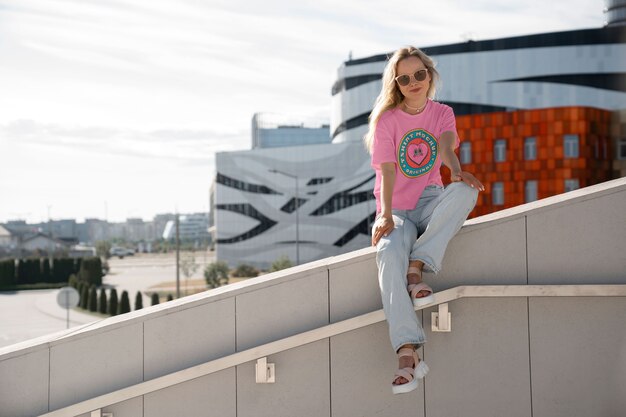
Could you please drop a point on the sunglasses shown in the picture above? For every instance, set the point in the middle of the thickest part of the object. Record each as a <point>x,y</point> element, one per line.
<point>404,80</point>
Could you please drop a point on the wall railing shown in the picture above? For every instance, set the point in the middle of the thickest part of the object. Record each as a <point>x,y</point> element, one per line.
<point>441,322</point>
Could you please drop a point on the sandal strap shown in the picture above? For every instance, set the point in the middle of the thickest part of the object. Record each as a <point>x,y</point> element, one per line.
<point>416,288</point>
<point>414,270</point>
<point>406,373</point>
<point>406,351</point>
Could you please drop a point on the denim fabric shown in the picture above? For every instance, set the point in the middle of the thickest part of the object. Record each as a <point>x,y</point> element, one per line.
<point>437,217</point>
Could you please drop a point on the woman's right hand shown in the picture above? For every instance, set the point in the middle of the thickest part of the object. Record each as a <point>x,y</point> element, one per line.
<point>382,227</point>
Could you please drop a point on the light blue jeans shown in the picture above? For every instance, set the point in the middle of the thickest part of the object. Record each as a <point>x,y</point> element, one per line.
<point>437,217</point>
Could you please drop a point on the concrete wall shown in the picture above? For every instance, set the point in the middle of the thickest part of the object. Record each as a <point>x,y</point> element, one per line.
<point>505,356</point>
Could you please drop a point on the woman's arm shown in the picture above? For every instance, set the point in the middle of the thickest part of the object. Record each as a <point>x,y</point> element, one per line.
<point>384,223</point>
<point>447,142</point>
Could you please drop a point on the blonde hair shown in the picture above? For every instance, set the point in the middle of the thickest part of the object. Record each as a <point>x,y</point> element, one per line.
<point>390,95</point>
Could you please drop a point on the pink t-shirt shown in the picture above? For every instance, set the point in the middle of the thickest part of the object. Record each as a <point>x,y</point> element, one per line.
<point>411,142</point>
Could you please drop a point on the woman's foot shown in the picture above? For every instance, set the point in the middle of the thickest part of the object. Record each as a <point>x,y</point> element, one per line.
<point>420,292</point>
<point>411,370</point>
<point>414,276</point>
<point>404,362</point>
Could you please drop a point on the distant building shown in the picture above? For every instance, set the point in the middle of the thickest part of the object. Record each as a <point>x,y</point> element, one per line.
<point>192,228</point>
<point>66,228</point>
<point>7,240</point>
<point>273,131</point>
<point>44,243</point>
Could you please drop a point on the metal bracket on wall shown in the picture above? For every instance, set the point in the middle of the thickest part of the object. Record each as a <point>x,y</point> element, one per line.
<point>99,413</point>
<point>441,320</point>
<point>265,372</point>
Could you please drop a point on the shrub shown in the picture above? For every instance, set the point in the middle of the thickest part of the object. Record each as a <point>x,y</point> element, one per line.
<point>93,299</point>
<point>77,262</point>
<point>7,272</point>
<point>154,298</point>
<point>170,297</point>
<point>102,305</point>
<point>216,274</point>
<point>28,271</point>
<point>79,288</point>
<point>245,271</point>
<point>124,306</point>
<point>113,303</point>
<point>73,281</point>
<point>46,274</point>
<point>91,270</point>
<point>281,263</point>
<point>62,268</point>
<point>138,301</point>
<point>84,297</point>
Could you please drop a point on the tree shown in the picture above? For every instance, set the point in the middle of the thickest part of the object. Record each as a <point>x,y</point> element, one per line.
<point>124,306</point>
<point>281,263</point>
<point>62,268</point>
<point>84,297</point>
<point>73,281</point>
<point>91,270</point>
<point>216,274</point>
<point>138,301</point>
<point>7,272</point>
<point>113,303</point>
<point>93,299</point>
<point>103,301</point>
<point>189,267</point>
<point>103,249</point>
<point>154,299</point>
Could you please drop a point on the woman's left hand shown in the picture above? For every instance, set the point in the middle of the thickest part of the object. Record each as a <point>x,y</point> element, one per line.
<point>468,179</point>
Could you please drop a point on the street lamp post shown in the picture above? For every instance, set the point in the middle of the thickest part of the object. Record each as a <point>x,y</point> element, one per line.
<point>297,203</point>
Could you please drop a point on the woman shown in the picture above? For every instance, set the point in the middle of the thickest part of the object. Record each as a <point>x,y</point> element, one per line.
<point>409,137</point>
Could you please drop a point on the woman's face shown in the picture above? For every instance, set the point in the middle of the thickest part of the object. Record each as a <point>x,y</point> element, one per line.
<point>414,90</point>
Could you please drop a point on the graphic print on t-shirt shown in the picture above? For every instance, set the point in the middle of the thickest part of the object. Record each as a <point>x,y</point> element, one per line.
<point>417,153</point>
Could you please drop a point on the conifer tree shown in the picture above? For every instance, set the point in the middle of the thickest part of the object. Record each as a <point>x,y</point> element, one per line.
<point>103,301</point>
<point>138,301</point>
<point>113,303</point>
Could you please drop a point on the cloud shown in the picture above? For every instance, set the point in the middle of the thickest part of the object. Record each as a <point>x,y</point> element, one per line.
<point>174,145</point>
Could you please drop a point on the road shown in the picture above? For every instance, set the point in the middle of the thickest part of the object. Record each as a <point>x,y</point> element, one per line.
<point>29,314</point>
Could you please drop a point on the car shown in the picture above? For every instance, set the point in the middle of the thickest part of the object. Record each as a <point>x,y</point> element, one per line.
<point>120,252</point>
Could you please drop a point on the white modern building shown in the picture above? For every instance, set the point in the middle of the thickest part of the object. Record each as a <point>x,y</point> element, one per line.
<point>581,67</point>
<point>305,203</point>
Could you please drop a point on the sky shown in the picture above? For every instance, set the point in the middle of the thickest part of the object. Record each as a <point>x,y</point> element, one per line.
<point>113,109</point>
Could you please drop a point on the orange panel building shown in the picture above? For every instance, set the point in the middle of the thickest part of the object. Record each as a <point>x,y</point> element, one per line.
<point>521,156</point>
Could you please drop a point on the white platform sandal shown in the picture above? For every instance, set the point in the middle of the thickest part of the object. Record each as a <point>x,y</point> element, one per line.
<point>414,289</point>
<point>412,375</point>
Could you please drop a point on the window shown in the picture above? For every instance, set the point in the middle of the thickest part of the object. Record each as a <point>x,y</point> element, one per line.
<point>531,191</point>
<point>466,153</point>
<point>570,146</point>
<point>621,148</point>
<point>499,150</point>
<point>497,192</point>
<point>571,185</point>
<point>530,149</point>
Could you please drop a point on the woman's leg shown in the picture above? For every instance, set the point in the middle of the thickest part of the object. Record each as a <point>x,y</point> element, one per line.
<point>439,221</point>
<point>392,259</point>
